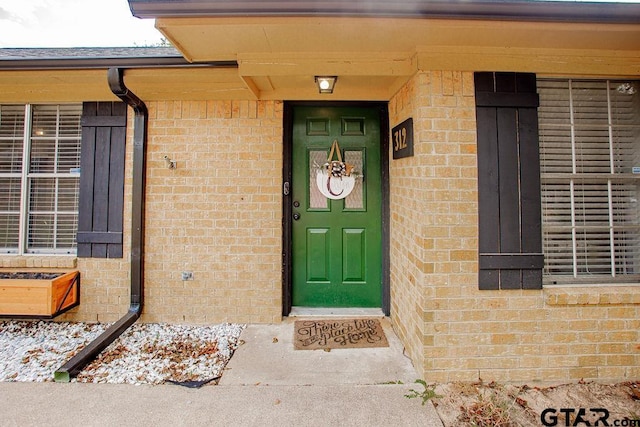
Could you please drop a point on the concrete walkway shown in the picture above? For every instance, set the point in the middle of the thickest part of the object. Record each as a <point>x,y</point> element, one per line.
<point>268,358</point>
<point>266,383</point>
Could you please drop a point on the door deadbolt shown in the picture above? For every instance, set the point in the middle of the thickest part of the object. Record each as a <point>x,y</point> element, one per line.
<point>296,204</point>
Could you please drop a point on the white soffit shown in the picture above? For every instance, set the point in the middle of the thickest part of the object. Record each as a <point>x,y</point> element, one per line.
<point>218,39</point>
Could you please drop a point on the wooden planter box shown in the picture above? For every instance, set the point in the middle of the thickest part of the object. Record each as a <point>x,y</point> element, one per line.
<point>38,293</point>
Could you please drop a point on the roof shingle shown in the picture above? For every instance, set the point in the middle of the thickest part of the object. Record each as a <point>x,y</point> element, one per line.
<point>87,53</point>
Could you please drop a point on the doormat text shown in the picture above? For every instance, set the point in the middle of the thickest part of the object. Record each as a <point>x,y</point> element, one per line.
<point>342,333</point>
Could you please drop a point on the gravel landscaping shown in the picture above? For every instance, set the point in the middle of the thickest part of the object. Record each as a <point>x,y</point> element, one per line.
<point>143,354</point>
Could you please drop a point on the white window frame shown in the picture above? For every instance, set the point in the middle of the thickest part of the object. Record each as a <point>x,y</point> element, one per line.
<point>27,177</point>
<point>611,178</point>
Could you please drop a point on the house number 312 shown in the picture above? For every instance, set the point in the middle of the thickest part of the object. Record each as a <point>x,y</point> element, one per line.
<point>400,138</point>
<point>403,139</point>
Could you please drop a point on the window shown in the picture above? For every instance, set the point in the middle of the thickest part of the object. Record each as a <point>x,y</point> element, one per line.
<point>590,180</point>
<point>39,178</point>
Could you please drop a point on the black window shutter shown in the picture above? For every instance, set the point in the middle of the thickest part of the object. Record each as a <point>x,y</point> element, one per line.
<point>510,235</point>
<point>100,219</point>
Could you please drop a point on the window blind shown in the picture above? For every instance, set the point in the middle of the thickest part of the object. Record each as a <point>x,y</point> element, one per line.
<point>53,179</point>
<point>590,172</point>
<point>39,176</point>
<point>12,120</point>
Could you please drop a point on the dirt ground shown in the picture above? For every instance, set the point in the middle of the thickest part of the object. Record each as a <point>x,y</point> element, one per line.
<point>577,404</point>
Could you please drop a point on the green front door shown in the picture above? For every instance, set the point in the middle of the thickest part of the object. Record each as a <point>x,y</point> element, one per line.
<point>337,243</point>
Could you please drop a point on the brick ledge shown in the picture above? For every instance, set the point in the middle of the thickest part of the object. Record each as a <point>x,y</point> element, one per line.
<point>600,295</point>
<point>38,261</point>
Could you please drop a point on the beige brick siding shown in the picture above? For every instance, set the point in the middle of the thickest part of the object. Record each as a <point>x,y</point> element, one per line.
<point>407,246</point>
<point>39,262</point>
<point>452,330</point>
<point>218,214</point>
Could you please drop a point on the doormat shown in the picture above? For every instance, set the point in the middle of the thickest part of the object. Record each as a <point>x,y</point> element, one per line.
<point>338,333</point>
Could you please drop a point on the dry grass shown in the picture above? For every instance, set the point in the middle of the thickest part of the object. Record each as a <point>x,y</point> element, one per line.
<point>504,405</point>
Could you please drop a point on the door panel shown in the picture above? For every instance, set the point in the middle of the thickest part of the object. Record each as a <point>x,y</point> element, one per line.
<point>337,244</point>
<point>354,256</point>
<point>318,255</point>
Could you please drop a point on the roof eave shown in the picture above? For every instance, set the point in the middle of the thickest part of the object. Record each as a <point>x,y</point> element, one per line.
<point>558,11</point>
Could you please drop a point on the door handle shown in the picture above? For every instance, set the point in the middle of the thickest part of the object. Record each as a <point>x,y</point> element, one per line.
<point>296,216</point>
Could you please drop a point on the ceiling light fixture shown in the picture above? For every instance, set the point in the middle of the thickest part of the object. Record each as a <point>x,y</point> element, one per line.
<point>326,83</point>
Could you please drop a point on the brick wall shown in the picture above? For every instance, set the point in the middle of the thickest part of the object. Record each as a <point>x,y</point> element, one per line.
<point>452,330</point>
<point>218,214</point>
<point>407,198</point>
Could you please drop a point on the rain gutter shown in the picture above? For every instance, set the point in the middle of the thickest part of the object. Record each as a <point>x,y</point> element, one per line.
<point>75,63</point>
<point>526,10</point>
<point>141,116</point>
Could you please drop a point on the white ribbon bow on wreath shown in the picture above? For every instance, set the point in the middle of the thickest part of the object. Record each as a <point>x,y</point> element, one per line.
<point>335,179</point>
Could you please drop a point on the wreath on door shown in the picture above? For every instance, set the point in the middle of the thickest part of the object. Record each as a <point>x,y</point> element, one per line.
<point>335,179</point>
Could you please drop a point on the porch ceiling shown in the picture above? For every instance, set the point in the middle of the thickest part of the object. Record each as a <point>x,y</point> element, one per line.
<point>373,57</point>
